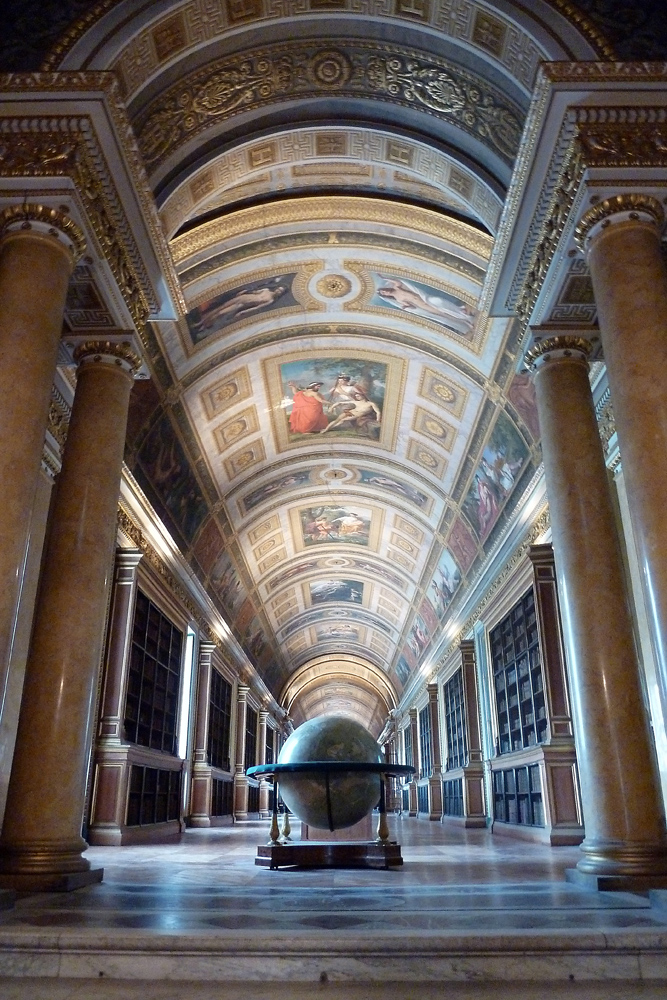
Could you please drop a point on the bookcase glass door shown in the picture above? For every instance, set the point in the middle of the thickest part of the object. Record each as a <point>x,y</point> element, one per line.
<point>457,750</point>
<point>518,678</point>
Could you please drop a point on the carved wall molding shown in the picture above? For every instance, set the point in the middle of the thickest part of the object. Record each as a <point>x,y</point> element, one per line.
<point>59,417</point>
<point>260,77</point>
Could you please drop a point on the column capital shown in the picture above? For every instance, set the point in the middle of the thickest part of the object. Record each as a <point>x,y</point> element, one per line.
<point>432,689</point>
<point>46,221</point>
<point>206,647</point>
<point>412,713</point>
<point>242,692</point>
<point>263,716</point>
<point>557,348</point>
<point>128,558</point>
<point>106,352</point>
<point>628,207</point>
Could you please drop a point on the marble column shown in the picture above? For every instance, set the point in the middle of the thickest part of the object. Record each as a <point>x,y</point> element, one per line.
<point>624,819</point>
<point>41,841</point>
<point>110,753</point>
<point>200,807</point>
<point>435,778</point>
<point>39,247</point>
<point>621,240</point>
<point>414,740</point>
<point>260,758</point>
<point>240,780</point>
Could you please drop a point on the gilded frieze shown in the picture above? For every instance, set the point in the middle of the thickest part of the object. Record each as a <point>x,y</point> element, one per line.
<point>259,77</point>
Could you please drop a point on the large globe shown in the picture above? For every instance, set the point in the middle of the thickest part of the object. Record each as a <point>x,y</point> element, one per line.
<point>352,794</point>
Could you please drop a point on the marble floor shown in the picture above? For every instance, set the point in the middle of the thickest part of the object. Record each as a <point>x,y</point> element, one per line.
<point>467,909</point>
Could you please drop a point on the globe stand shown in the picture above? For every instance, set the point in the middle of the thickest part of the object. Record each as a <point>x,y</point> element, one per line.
<point>380,853</point>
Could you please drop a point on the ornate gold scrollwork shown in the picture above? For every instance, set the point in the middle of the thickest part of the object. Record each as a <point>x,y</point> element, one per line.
<point>393,73</point>
<point>637,207</point>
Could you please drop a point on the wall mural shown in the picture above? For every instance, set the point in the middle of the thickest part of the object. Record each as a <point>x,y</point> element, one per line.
<point>420,299</point>
<point>345,591</point>
<point>249,299</point>
<point>163,463</point>
<point>503,458</point>
<point>335,524</point>
<point>227,586</point>
<point>445,583</point>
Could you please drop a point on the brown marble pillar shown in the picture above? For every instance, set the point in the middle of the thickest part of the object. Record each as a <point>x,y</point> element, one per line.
<point>240,780</point>
<point>435,778</point>
<point>110,755</point>
<point>41,841</point>
<point>414,739</point>
<point>624,819</point>
<point>38,249</point>
<point>621,239</point>
<point>200,808</point>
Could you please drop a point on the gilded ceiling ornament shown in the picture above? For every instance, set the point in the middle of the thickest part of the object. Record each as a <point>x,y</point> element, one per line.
<point>305,69</point>
<point>333,286</point>
<point>631,206</point>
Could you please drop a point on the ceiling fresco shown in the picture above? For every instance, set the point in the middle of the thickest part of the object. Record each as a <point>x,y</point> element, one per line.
<point>335,431</point>
<point>357,434</point>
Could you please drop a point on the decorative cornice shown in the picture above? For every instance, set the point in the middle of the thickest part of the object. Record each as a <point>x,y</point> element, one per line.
<point>129,527</point>
<point>555,348</point>
<point>585,26</point>
<point>313,68</point>
<point>624,207</point>
<point>74,32</point>
<point>342,208</point>
<point>46,220</point>
<point>106,352</point>
<point>612,69</point>
<point>58,151</point>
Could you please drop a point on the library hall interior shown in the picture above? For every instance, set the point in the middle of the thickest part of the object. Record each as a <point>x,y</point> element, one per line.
<point>333,400</point>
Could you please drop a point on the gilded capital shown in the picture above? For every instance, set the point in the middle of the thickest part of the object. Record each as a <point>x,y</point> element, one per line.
<point>621,208</point>
<point>557,348</point>
<point>105,352</point>
<point>46,221</point>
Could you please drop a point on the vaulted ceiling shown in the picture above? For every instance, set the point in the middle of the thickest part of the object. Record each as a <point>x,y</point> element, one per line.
<point>335,431</point>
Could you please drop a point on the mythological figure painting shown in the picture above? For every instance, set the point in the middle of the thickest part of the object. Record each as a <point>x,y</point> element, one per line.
<point>419,299</point>
<point>444,584</point>
<point>346,591</point>
<point>275,487</point>
<point>502,460</point>
<point>250,299</point>
<point>335,524</point>
<point>389,484</point>
<point>343,397</point>
<point>402,670</point>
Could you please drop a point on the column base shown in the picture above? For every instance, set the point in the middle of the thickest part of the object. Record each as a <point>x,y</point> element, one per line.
<point>615,883</point>
<point>50,881</point>
<point>199,822</point>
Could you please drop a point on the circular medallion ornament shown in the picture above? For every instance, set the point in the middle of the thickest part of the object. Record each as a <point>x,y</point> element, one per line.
<point>333,286</point>
<point>330,68</point>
